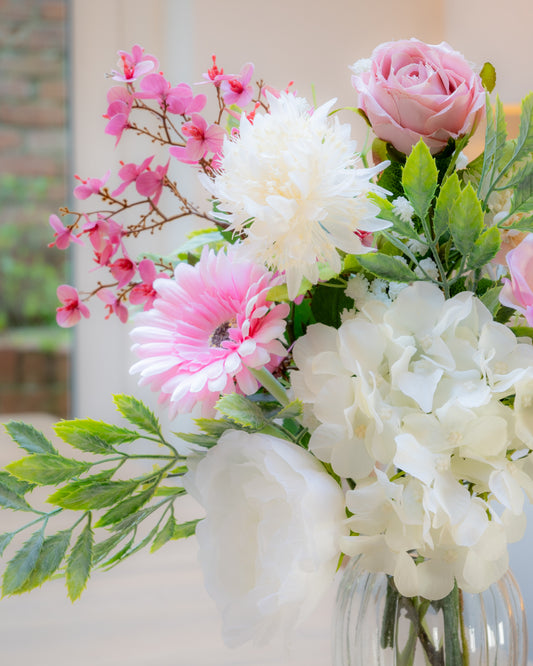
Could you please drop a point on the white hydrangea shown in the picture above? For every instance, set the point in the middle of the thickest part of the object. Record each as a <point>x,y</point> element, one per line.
<point>403,209</point>
<point>291,181</point>
<point>415,386</point>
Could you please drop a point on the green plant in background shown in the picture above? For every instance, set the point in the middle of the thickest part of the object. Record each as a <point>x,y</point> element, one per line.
<point>29,271</point>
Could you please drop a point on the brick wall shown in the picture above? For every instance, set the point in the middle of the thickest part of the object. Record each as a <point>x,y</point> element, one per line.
<point>33,98</point>
<point>33,380</point>
<point>33,183</point>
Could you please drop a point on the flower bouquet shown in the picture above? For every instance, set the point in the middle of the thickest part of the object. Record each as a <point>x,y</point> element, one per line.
<point>352,333</point>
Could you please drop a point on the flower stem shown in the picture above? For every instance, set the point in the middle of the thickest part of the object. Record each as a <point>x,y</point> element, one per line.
<point>271,384</point>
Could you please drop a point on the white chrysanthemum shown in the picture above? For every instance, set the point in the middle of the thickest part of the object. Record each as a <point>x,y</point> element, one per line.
<point>290,180</point>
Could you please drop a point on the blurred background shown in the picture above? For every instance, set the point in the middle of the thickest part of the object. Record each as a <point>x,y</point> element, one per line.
<point>54,55</point>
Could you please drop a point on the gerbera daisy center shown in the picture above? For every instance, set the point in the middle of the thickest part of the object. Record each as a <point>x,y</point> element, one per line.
<point>220,334</point>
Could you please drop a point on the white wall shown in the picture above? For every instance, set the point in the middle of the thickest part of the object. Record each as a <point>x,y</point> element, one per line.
<point>308,41</point>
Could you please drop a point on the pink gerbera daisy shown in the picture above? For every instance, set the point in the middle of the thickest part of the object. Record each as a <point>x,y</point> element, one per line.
<point>208,326</point>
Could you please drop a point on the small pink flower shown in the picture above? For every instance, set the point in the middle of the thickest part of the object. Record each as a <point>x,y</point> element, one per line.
<point>129,174</point>
<point>214,75</point>
<point>90,186</point>
<point>207,327</point>
<point>517,293</point>
<point>113,305</point>
<point>178,100</point>
<point>63,235</point>
<point>118,111</point>
<point>123,270</point>
<point>103,232</point>
<point>150,183</point>
<point>202,139</point>
<point>134,65</point>
<point>237,89</point>
<point>73,309</point>
<point>145,292</point>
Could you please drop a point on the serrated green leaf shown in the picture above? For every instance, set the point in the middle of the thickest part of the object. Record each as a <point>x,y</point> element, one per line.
<point>15,485</point>
<point>50,557</point>
<point>485,248</point>
<point>387,267</point>
<point>466,220</point>
<point>525,224</point>
<point>185,530</point>
<point>213,427</point>
<point>94,436</point>
<point>45,469</point>
<point>137,413</point>
<point>198,438</point>
<point>126,507</point>
<point>291,411</point>
<point>402,228</point>
<point>169,491</point>
<point>10,500</point>
<point>419,179</point>
<point>522,201</point>
<point>103,548</point>
<point>448,195</point>
<point>119,555</point>
<point>29,438</point>
<point>92,494</point>
<point>488,76</point>
<point>164,535</point>
<point>524,142</point>
<point>240,410</point>
<point>20,567</point>
<point>495,140</point>
<point>5,540</point>
<point>131,521</point>
<point>79,562</point>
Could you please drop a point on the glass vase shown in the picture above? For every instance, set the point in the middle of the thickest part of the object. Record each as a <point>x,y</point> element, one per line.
<point>374,625</point>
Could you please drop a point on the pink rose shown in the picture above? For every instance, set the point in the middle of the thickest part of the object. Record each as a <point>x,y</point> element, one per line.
<point>415,90</point>
<point>517,293</point>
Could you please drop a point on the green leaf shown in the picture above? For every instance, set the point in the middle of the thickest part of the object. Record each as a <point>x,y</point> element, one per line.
<point>291,411</point>
<point>522,331</point>
<point>466,220</point>
<point>10,500</point>
<point>15,485</point>
<point>45,469</point>
<point>184,530</point>
<point>241,411</point>
<point>126,507</point>
<point>495,141</point>
<point>387,267</point>
<point>20,567</point>
<point>169,491</point>
<point>525,224</point>
<point>131,521</point>
<point>94,436</point>
<point>166,534</point>
<point>448,195</point>
<point>522,201</point>
<point>212,427</point>
<point>200,439</point>
<point>29,438</point>
<point>488,76</point>
<point>50,558</point>
<point>485,248</point>
<point>328,303</point>
<point>5,540</point>
<point>79,562</point>
<point>103,548</point>
<point>137,413</point>
<point>490,299</point>
<point>419,179</point>
<point>524,142</point>
<point>391,179</point>
<point>92,494</point>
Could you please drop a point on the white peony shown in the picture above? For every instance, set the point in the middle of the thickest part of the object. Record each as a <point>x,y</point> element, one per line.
<point>407,401</point>
<point>290,180</point>
<point>269,544</point>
